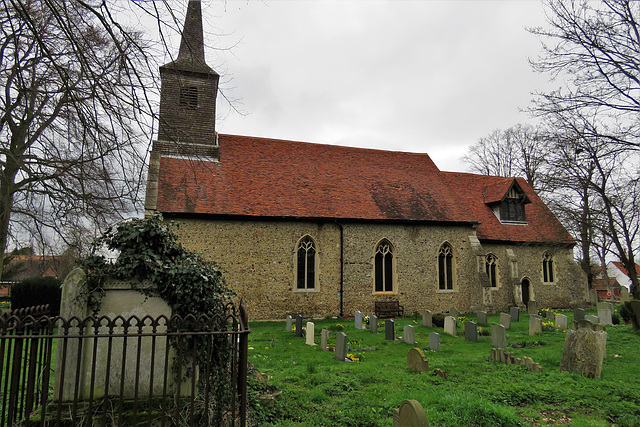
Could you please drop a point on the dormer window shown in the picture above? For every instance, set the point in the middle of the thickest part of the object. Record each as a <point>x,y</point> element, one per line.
<point>507,199</point>
<point>512,207</point>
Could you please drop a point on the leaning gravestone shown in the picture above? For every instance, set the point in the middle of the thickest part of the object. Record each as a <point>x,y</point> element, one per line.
<point>311,331</point>
<point>482,318</point>
<point>427,318</point>
<point>450,325</point>
<point>289,323</point>
<point>358,320</point>
<point>562,321</point>
<point>341,347</point>
<point>471,331</point>
<point>389,330</point>
<point>324,339</point>
<point>535,324</point>
<point>584,349</point>
<point>434,341</point>
<point>498,336</point>
<point>410,414</point>
<point>532,307</point>
<point>417,360</point>
<point>505,320</point>
<point>373,324</point>
<point>299,326</point>
<point>409,335</point>
<point>515,314</point>
<point>578,314</point>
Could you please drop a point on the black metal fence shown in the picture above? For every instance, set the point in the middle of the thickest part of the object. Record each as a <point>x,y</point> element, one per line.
<point>123,371</point>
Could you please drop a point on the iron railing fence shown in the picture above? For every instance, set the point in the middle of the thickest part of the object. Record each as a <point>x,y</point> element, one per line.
<point>123,371</point>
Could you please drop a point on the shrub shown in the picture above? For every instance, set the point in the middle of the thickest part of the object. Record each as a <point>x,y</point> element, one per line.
<point>625,312</point>
<point>438,320</point>
<point>37,291</point>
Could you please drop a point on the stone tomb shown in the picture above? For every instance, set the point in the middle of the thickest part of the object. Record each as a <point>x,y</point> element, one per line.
<point>562,321</point>
<point>535,324</point>
<point>410,414</point>
<point>358,320</point>
<point>409,335</point>
<point>471,331</point>
<point>341,347</point>
<point>427,318</point>
<point>499,336</point>
<point>514,312</point>
<point>311,331</point>
<point>584,349</point>
<point>450,325</point>
<point>505,320</point>
<point>417,360</point>
<point>373,324</point>
<point>434,341</point>
<point>483,318</point>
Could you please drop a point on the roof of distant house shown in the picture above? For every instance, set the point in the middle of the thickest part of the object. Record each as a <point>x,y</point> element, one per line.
<point>268,178</point>
<point>620,267</point>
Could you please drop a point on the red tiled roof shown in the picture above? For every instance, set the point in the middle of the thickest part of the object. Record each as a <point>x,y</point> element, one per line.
<point>260,177</point>
<point>620,267</point>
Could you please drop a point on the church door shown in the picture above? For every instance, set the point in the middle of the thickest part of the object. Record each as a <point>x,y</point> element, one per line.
<point>525,291</point>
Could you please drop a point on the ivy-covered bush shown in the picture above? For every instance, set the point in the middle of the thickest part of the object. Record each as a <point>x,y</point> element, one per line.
<point>37,291</point>
<point>148,250</point>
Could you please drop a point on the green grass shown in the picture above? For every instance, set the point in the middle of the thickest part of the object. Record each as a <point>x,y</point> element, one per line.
<point>317,390</point>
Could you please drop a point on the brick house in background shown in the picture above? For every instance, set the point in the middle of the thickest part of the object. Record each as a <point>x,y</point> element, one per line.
<point>326,230</point>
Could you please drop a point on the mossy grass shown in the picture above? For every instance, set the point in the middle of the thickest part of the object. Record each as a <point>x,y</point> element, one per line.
<point>320,391</point>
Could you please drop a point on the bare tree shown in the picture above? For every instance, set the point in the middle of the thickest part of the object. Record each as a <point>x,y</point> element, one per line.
<point>594,47</point>
<point>520,151</point>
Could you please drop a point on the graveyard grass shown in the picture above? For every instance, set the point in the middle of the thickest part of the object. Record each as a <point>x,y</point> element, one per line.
<point>302,385</point>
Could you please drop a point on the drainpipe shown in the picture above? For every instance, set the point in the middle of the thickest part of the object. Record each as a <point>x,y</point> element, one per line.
<point>341,268</point>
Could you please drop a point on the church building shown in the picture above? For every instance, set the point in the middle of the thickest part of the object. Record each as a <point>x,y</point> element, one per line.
<point>321,230</point>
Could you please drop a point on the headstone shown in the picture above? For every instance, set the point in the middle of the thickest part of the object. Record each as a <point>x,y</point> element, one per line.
<point>471,331</point>
<point>562,321</point>
<point>359,320</point>
<point>605,305</point>
<point>578,314</point>
<point>389,330</point>
<point>498,336</point>
<point>410,414</point>
<point>625,296</point>
<point>341,347</point>
<point>532,307</point>
<point>450,325</point>
<point>505,320</point>
<point>289,323</point>
<point>593,296</point>
<point>604,314</point>
<point>550,314</point>
<point>584,349</point>
<point>434,341</point>
<point>535,324</point>
<point>515,314</point>
<point>373,324</point>
<point>427,318</point>
<point>455,313</point>
<point>299,326</point>
<point>409,335</point>
<point>482,318</point>
<point>417,360</point>
<point>324,339</point>
<point>591,318</point>
<point>311,330</point>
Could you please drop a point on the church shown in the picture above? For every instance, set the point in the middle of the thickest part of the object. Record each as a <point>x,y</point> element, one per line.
<point>321,230</point>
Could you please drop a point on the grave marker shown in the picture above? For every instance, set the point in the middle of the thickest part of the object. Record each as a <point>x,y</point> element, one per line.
<point>289,323</point>
<point>578,314</point>
<point>417,360</point>
<point>373,324</point>
<point>427,318</point>
<point>499,336</point>
<point>455,313</point>
<point>471,331</point>
<point>341,347</point>
<point>299,326</point>
<point>434,341</point>
<point>591,318</point>
<point>389,330</point>
<point>532,307</point>
<point>604,314</point>
<point>483,318</point>
<point>584,349</point>
<point>410,414</point>
<point>550,314</point>
<point>535,324</point>
<point>514,312</point>
<point>359,320</point>
<point>505,320</point>
<point>311,330</point>
<point>409,335</point>
<point>324,338</point>
<point>562,321</point>
<point>450,325</point>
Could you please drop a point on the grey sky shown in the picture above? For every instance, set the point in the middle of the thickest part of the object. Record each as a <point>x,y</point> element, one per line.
<point>420,76</point>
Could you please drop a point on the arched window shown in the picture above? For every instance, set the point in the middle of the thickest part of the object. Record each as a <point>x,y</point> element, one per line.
<point>547,268</point>
<point>492,269</point>
<point>383,267</point>
<point>306,264</point>
<point>445,267</point>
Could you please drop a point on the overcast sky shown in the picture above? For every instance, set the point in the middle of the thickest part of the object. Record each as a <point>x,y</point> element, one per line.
<point>419,76</point>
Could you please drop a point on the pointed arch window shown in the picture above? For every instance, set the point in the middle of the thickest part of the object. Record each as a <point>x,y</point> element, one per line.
<point>306,260</point>
<point>445,267</point>
<point>492,269</point>
<point>548,275</point>
<point>384,267</point>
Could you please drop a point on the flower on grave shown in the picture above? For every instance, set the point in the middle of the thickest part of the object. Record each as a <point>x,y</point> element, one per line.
<point>366,319</point>
<point>293,329</point>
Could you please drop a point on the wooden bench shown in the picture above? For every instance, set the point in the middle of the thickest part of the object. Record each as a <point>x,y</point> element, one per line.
<point>388,309</point>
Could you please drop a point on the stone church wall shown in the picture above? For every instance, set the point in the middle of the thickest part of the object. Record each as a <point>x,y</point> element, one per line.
<point>257,258</point>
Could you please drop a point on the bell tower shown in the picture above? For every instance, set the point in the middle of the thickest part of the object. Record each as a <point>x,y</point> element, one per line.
<point>188,93</point>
